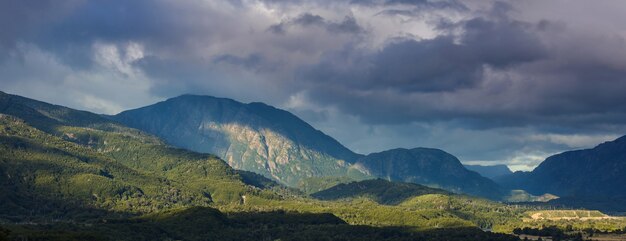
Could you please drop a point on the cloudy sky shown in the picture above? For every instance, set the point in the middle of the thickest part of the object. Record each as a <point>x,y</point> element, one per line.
<point>490,82</point>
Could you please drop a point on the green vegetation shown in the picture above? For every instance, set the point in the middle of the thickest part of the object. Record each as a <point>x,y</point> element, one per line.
<point>315,184</point>
<point>381,191</point>
<point>209,224</point>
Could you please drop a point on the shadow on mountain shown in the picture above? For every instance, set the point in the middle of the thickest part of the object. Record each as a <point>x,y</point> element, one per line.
<point>204,223</point>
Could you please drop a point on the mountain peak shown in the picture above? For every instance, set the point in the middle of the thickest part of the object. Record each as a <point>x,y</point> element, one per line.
<point>428,166</point>
<point>253,137</point>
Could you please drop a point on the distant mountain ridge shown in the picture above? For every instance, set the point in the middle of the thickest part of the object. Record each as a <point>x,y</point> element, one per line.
<point>598,173</point>
<point>490,172</point>
<point>428,166</point>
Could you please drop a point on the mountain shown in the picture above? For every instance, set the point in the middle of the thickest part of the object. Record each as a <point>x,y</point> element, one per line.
<point>253,137</point>
<point>379,190</point>
<point>55,158</point>
<point>597,173</point>
<point>490,172</point>
<point>276,144</point>
<point>431,167</point>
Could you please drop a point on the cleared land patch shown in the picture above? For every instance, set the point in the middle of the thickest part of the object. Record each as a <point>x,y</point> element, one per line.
<point>556,215</point>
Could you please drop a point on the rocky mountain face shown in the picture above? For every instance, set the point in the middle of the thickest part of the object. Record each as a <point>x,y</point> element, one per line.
<point>599,172</point>
<point>490,172</point>
<point>431,167</point>
<point>253,137</point>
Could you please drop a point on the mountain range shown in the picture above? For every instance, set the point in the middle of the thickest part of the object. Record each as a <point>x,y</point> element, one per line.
<point>74,175</point>
<point>260,139</point>
<point>275,143</point>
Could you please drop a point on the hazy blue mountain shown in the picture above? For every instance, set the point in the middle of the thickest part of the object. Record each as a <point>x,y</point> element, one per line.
<point>431,167</point>
<point>490,172</point>
<point>597,173</point>
<point>253,137</point>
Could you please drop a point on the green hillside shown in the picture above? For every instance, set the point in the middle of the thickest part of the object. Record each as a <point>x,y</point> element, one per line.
<point>50,177</point>
<point>381,191</point>
<point>39,167</point>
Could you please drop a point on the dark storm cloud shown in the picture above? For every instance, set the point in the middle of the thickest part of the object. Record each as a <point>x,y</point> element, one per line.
<point>498,72</point>
<point>23,19</point>
<point>163,26</point>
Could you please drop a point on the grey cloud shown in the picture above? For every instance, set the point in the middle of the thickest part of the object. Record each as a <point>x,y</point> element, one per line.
<point>348,25</point>
<point>444,4</point>
<point>432,65</point>
<point>429,73</point>
<point>164,27</point>
<point>498,72</point>
<point>250,61</point>
<point>23,19</point>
